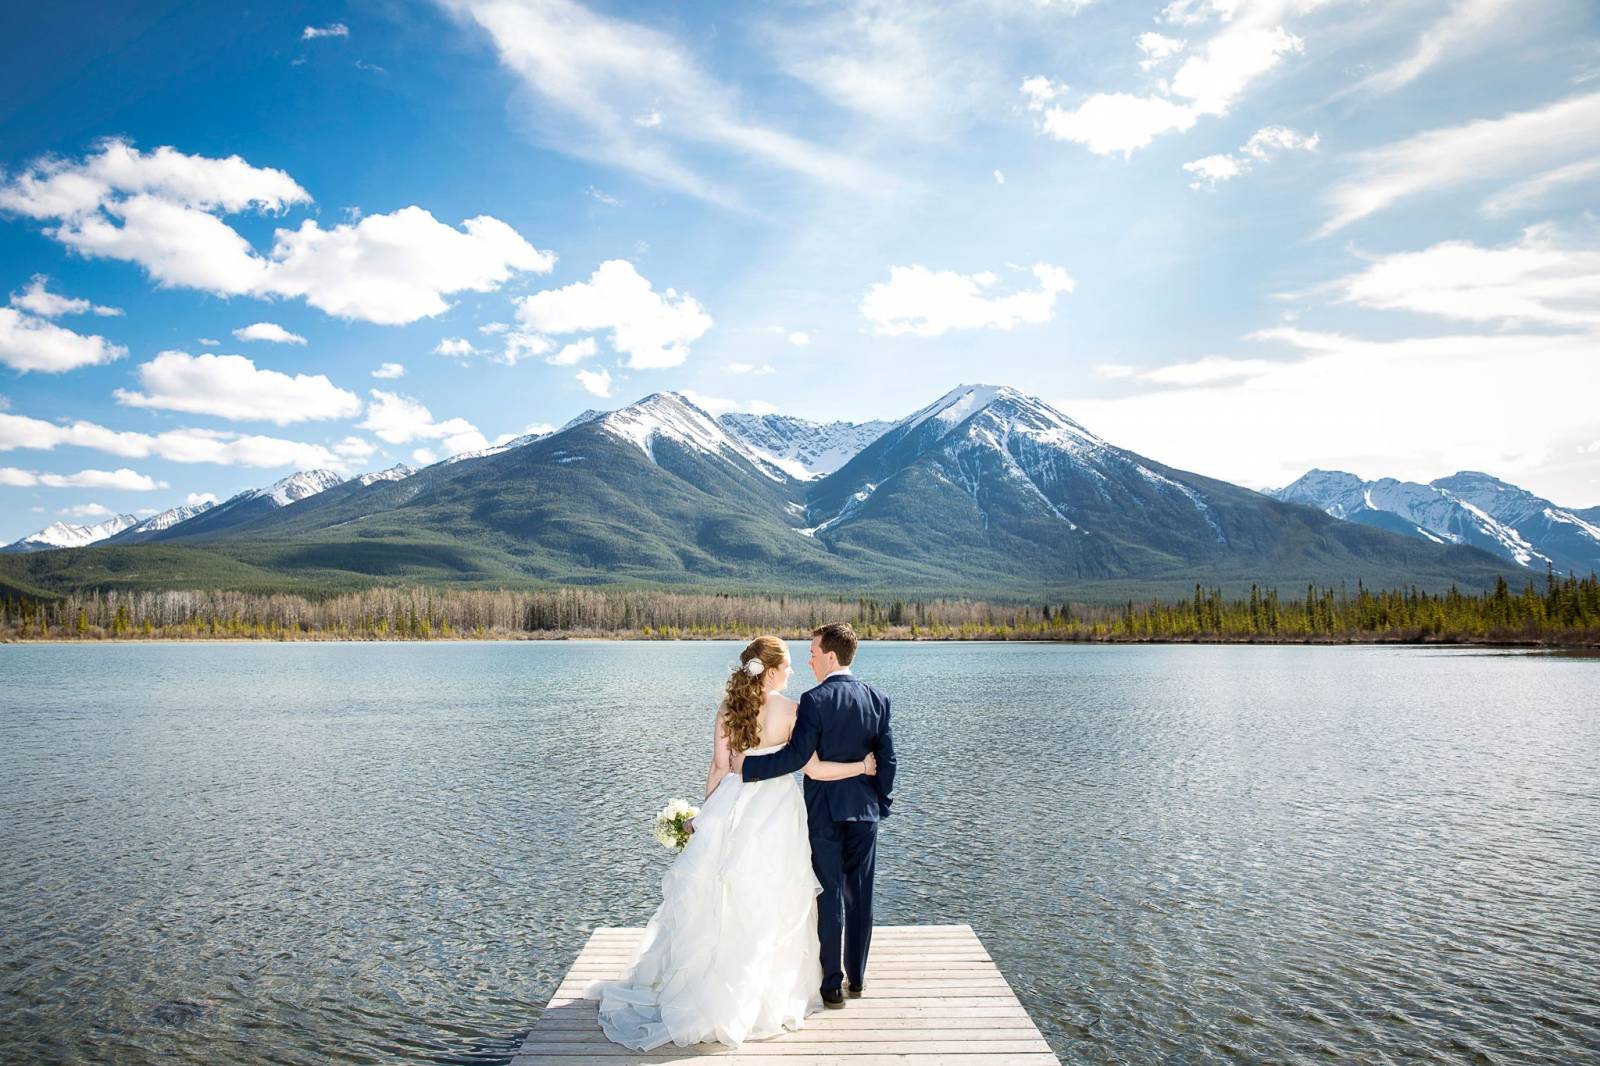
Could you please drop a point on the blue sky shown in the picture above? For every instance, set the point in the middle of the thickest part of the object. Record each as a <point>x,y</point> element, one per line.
<point>1244,237</point>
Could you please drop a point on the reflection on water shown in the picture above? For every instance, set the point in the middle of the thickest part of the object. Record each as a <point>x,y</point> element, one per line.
<point>362,853</point>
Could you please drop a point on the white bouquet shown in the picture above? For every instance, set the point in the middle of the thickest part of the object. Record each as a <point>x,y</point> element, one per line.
<point>672,824</point>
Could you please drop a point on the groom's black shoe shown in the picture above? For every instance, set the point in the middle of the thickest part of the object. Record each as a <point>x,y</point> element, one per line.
<point>852,990</point>
<point>833,1000</point>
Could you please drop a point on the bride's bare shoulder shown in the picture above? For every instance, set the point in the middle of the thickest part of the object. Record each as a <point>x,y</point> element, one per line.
<point>783,704</point>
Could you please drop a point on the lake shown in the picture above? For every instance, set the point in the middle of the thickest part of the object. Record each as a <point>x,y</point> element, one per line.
<point>302,853</point>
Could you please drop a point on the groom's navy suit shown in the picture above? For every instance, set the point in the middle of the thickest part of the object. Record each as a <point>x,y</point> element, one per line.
<point>840,720</point>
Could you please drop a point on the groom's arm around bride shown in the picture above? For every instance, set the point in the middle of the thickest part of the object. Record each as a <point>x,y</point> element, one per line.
<point>841,719</point>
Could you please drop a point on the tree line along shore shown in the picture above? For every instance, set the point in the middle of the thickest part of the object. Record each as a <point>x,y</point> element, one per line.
<point>1554,611</point>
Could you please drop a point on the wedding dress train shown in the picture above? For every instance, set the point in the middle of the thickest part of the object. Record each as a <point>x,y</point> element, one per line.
<point>731,954</point>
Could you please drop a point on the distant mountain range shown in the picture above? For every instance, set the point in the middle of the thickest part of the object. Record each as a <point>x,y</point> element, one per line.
<point>984,491</point>
<point>1465,508</point>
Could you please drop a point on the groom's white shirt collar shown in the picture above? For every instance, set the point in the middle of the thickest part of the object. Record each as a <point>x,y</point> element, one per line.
<point>843,671</point>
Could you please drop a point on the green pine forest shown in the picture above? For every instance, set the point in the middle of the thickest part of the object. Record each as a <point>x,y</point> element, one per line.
<point>1555,611</point>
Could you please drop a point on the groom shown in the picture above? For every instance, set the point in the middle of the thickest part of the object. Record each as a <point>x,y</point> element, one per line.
<point>841,719</point>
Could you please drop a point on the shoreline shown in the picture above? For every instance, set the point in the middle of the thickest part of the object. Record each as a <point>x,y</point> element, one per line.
<point>1526,644</point>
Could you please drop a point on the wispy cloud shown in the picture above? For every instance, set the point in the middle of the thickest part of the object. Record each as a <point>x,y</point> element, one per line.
<point>1483,150</point>
<point>591,76</point>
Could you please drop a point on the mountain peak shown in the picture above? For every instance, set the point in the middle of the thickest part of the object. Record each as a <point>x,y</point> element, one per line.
<point>673,416</point>
<point>397,472</point>
<point>298,486</point>
<point>62,535</point>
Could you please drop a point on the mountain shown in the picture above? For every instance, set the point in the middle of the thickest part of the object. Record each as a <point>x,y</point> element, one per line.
<point>1465,508</point>
<point>61,535</point>
<point>240,509</point>
<point>162,522</point>
<point>805,450</point>
<point>1001,488</point>
<point>397,472</point>
<point>986,491</point>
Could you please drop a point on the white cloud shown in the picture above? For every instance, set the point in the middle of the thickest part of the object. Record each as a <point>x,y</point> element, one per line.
<point>592,76</point>
<point>652,329</point>
<point>397,268</point>
<point>38,300</point>
<point>1306,406</point>
<point>1531,191</point>
<point>455,347</point>
<point>424,456</point>
<point>999,177</point>
<point>195,499</point>
<point>1209,370</point>
<point>750,368</point>
<point>535,429</point>
<point>88,510</point>
<point>160,210</point>
<point>715,405</point>
<point>1211,169</point>
<point>1249,43</point>
<point>520,344</point>
<point>335,29</point>
<point>1540,279</point>
<point>396,419</point>
<point>1262,146</point>
<point>230,386</point>
<point>799,338</point>
<point>355,448</point>
<point>491,329</point>
<point>220,447</point>
<point>596,382</point>
<point>1157,49</point>
<point>268,331</point>
<point>1038,90</point>
<point>600,196</point>
<point>121,478</point>
<point>1107,123</point>
<point>1481,150</point>
<point>1467,23</point>
<point>926,303</point>
<point>28,343</point>
<point>574,353</point>
<point>390,371</point>
<point>209,342</point>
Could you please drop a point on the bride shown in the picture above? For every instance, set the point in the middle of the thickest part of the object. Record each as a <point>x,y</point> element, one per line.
<point>732,954</point>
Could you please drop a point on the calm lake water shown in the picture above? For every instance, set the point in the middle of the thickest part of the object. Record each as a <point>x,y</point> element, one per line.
<point>305,853</point>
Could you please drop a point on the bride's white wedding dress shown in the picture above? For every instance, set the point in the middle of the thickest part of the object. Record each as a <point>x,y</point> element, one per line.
<point>731,954</point>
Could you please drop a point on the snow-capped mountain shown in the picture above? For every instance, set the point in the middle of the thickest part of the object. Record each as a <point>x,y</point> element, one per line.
<point>1466,508</point>
<point>999,447</point>
<point>669,416</point>
<point>295,487</point>
<point>241,507</point>
<point>62,535</point>
<point>806,450</point>
<point>159,523</point>
<point>587,416</point>
<point>397,472</point>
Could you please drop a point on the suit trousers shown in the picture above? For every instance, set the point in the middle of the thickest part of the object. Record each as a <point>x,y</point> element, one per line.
<point>844,854</point>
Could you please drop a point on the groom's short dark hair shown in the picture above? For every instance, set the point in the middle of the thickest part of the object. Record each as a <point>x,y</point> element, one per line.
<point>838,638</point>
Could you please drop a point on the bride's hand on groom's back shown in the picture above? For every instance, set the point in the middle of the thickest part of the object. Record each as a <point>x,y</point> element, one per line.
<point>870,765</point>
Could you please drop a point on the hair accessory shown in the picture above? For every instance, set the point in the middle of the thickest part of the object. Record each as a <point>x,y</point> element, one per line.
<point>755,667</point>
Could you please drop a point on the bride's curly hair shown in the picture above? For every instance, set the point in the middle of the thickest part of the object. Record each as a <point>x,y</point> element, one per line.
<point>741,704</point>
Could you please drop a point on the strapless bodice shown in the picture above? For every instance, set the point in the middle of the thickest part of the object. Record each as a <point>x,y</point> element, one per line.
<point>768,750</point>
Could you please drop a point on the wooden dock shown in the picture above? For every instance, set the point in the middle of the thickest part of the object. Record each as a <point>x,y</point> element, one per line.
<point>933,997</point>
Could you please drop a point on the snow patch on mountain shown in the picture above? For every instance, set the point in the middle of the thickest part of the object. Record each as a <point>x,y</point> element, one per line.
<point>62,535</point>
<point>171,517</point>
<point>670,416</point>
<point>397,472</point>
<point>1469,507</point>
<point>804,450</point>
<point>296,487</point>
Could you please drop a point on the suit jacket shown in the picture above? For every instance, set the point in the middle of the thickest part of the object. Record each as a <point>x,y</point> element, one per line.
<point>840,720</point>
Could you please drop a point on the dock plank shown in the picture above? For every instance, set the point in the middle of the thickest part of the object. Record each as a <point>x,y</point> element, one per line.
<point>933,997</point>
